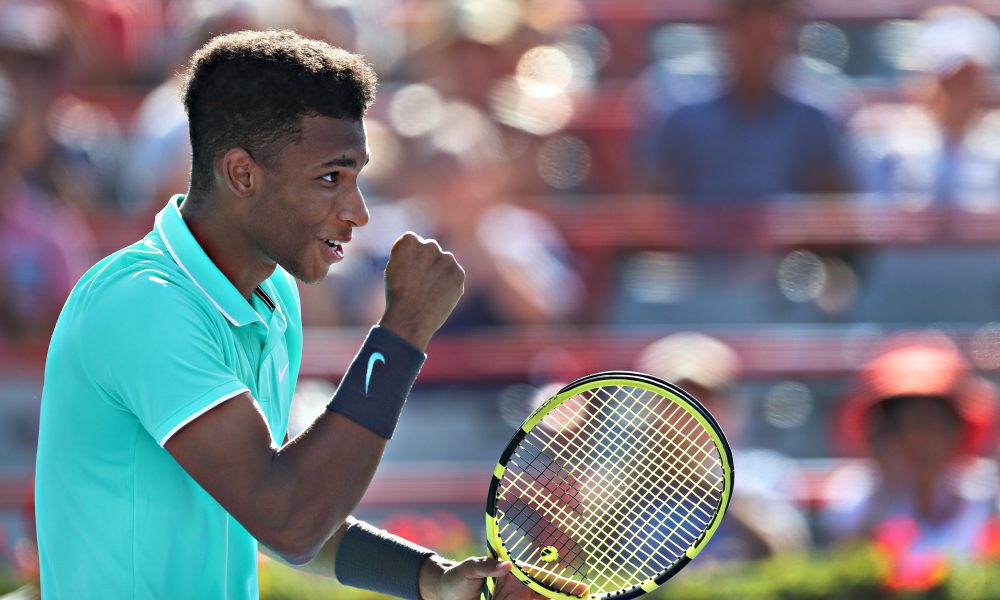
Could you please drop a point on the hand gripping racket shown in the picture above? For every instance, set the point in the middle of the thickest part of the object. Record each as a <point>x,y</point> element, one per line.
<point>608,489</point>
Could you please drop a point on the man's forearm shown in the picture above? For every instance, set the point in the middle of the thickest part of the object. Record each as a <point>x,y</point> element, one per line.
<point>325,471</point>
<point>386,563</point>
<point>319,478</point>
<point>323,563</point>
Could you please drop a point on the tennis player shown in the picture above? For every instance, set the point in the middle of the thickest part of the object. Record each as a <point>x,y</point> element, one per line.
<point>163,460</point>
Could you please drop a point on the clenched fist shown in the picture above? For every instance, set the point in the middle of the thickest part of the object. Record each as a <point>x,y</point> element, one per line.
<point>422,286</point>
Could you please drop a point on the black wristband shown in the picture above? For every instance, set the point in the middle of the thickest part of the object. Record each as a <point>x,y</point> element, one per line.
<point>374,559</point>
<point>378,381</point>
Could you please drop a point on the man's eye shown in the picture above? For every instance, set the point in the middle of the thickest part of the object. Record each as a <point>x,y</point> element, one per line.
<point>331,177</point>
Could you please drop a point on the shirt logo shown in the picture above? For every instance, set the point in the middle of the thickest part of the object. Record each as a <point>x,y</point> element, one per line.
<point>375,357</point>
<point>282,373</point>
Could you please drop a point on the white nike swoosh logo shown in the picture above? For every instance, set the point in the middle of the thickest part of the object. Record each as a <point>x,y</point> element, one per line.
<point>283,372</point>
<point>375,357</point>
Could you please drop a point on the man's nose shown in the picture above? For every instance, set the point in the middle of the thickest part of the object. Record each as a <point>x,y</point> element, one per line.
<point>355,211</point>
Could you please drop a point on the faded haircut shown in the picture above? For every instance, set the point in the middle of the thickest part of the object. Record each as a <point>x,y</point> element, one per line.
<point>251,90</point>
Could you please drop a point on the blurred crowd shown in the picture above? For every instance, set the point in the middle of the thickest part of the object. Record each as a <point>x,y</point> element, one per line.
<point>496,116</point>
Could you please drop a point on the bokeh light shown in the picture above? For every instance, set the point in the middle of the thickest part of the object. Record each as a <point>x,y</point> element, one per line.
<point>564,162</point>
<point>544,72</point>
<point>801,276</point>
<point>788,404</point>
<point>592,40</point>
<point>894,43</point>
<point>826,42</point>
<point>488,21</point>
<point>531,113</point>
<point>465,129</point>
<point>659,277</point>
<point>416,109</point>
<point>686,48</point>
<point>840,289</point>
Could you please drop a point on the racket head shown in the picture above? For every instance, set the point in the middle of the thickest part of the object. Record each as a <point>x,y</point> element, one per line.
<point>555,487</point>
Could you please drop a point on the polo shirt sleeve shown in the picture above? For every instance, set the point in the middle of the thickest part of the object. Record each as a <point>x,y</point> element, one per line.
<point>157,353</point>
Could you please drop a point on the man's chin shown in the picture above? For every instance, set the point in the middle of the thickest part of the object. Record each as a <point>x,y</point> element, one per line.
<point>310,278</point>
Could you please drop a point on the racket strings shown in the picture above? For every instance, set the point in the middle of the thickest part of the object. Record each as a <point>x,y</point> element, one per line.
<point>634,480</point>
<point>582,522</point>
<point>559,508</point>
<point>555,532</point>
<point>606,484</point>
<point>595,521</point>
<point>619,512</point>
<point>638,514</point>
<point>702,490</point>
<point>647,467</point>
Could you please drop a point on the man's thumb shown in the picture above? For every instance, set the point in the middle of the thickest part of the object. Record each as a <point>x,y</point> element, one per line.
<point>485,567</point>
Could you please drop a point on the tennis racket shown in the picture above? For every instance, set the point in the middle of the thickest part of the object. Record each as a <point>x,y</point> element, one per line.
<point>608,489</point>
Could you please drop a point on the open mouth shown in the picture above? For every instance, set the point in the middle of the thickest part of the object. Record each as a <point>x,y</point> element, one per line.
<point>337,246</point>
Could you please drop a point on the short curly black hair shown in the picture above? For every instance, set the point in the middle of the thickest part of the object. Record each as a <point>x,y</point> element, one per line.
<point>251,89</point>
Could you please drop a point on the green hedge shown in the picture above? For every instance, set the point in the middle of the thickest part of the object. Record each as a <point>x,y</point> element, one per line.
<point>846,574</point>
<point>8,580</point>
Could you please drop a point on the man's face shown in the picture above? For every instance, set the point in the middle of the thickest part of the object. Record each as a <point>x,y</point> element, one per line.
<point>756,41</point>
<point>920,438</point>
<point>309,202</point>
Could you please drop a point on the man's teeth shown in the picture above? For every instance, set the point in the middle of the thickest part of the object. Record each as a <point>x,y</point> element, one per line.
<point>332,243</point>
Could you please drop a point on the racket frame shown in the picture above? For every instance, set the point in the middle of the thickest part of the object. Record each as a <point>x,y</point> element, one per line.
<point>609,378</point>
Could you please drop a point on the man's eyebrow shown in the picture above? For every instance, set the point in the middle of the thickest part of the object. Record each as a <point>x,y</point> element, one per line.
<point>344,161</point>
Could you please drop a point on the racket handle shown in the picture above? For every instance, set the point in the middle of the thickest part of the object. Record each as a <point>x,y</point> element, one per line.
<point>489,583</point>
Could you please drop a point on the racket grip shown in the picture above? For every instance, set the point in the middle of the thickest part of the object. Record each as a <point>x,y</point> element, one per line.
<point>489,583</point>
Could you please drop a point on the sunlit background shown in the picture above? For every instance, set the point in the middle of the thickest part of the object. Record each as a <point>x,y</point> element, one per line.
<point>602,227</point>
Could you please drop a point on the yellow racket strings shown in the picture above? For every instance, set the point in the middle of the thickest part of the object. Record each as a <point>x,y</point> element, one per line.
<point>623,479</point>
<point>637,514</point>
<point>643,519</point>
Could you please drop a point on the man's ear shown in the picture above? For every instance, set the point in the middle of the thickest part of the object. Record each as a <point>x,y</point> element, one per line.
<point>240,172</point>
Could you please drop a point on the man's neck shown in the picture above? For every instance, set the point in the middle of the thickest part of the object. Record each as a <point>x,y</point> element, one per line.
<point>752,97</point>
<point>220,233</point>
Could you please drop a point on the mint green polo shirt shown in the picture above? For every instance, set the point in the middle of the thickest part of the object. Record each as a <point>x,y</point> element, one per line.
<point>151,338</point>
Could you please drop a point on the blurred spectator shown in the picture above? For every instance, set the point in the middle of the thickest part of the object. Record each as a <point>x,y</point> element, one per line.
<point>517,265</point>
<point>121,41</point>
<point>921,415</point>
<point>731,144</point>
<point>76,141</point>
<point>940,147</point>
<point>476,71</point>
<point>159,131</point>
<point>709,370</point>
<point>44,244</point>
<point>35,48</point>
<point>752,141</point>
